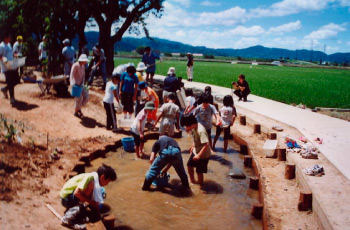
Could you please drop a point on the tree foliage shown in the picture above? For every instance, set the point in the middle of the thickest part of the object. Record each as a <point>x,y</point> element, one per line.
<point>61,19</point>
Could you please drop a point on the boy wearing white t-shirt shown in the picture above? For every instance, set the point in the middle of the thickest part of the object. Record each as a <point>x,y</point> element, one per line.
<point>190,100</point>
<point>110,94</point>
<point>228,115</point>
<point>169,114</point>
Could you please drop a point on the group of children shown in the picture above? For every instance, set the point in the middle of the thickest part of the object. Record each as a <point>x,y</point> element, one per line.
<point>197,119</point>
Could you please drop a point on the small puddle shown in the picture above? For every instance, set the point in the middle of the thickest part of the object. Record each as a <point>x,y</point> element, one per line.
<point>225,203</point>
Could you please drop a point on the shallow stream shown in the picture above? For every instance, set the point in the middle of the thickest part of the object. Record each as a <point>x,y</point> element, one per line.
<point>224,203</point>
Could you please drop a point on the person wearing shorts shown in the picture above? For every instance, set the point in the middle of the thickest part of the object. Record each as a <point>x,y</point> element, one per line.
<point>200,152</point>
<point>128,85</point>
<point>228,115</point>
<point>169,114</point>
<point>138,127</point>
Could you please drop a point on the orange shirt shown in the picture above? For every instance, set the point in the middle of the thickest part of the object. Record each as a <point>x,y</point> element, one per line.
<point>152,95</point>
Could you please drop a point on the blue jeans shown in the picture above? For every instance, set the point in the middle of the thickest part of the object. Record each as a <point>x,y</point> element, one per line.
<point>170,155</point>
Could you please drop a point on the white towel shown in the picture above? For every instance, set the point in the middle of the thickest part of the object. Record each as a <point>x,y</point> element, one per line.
<point>97,193</point>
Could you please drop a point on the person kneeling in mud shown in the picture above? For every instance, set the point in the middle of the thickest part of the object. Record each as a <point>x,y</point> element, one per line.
<point>85,188</point>
<point>200,152</point>
<point>169,155</point>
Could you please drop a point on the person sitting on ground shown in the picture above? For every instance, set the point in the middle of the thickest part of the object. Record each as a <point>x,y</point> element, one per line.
<point>128,85</point>
<point>77,78</point>
<point>242,89</point>
<point>151,95</point>
<point>68,54</point>
<point>204,114</point>
<point>168,112</point>
<point>200,152</point>
<point>86,188</point>
<point>110,92</point>
<point>171,84</point>
<point>199,101</point>
<point>190,100</point>
<point>228,115</point>
<point>169,155</point>
<point>141,67</point>
<point>138,126</point>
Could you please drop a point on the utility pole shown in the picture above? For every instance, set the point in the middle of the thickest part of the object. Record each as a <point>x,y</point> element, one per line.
<point>324,51</point>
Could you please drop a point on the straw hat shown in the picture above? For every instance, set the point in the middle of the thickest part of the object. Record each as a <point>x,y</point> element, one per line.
<point>141,66</point>
<point>19,38</point>
<point>83,58</point>
<point>171,70</point>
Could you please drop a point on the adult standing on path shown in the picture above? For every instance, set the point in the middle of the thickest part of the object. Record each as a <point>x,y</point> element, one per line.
<point>77,77</point>
<point>42,49</point>
<point>12,77</point>
<point>189,66</point>
<point>69,56</point>
<point>149,58</point>
<point>18,51</point>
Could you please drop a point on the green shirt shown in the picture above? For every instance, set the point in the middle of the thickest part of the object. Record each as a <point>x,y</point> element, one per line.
<point>80,181</point>
<point>200,138</point>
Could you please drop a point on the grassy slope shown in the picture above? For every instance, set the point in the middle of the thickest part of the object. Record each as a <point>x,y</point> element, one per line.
<point>311,86</point>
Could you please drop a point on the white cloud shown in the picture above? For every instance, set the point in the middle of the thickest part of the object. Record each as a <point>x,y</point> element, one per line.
<point>228,17</point>
<point>287,7</point>
<point>246,31</point>
<point>209,3</point>
<point>289,27</point>
<point>348,43</point>
<point>246,42</point>
<point>344,2</point>
<point>326,32</point>
<point>185,3</point>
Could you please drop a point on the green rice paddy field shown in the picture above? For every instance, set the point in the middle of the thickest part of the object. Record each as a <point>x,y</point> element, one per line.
<point>313,87</point>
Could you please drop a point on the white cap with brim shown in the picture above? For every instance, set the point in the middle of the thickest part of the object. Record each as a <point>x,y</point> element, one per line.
<point>83,58</point>
<point>66,41</point>
<point>171,70</point>
<point>141,66</point>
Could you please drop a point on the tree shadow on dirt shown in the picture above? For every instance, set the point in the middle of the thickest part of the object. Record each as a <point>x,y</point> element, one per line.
<point>90,123</point>
<point>24,106</point>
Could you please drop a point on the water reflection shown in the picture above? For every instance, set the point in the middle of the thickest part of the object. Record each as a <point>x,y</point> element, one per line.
<point>224,203</point>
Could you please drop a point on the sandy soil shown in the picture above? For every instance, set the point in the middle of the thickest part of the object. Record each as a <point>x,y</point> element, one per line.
<point>29,178</point>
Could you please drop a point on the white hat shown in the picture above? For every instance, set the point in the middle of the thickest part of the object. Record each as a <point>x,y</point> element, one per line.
<point>171,70</point>
<point>189,53</point>
<point>141,66</point>
<point>66,41</point>
<point>83,58</point>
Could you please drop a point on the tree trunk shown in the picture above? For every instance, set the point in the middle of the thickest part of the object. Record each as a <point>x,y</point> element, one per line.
<point>107,45</point>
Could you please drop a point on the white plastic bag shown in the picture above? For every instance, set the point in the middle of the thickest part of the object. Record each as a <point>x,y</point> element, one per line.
<point>119,108</point>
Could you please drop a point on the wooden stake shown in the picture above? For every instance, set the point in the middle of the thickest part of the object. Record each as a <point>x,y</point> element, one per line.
<point>273,136</point>
<point>289,171</point>
<point>305,201</point>
<point>248,161</point>
<point>257,128</point>
<point>109,221</point>
<point>244,149</point>
<point>282,154</point>
<point>242,120</point>
<point>47,141</point>
<point>257,210</point>
<point>254,183</point>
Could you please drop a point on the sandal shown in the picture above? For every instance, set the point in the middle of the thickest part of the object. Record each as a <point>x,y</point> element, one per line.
<point>316,170</point>
<point>303,139</point>
<point>309,155</point>
<point>319,140</point>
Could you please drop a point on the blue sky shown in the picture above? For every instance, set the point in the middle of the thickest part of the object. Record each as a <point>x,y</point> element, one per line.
<point>322,25</point>
<point>290,24</point>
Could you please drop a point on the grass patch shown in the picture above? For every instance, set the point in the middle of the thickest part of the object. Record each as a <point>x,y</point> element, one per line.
<point>314,87</point>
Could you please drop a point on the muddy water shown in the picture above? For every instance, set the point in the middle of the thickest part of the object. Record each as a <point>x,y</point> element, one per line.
<point>224,204</point>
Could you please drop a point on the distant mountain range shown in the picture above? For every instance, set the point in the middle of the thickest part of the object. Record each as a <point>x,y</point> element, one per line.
<point>166,46</point>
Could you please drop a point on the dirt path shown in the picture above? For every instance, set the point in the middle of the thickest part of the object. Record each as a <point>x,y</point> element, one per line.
<point>29,178</point>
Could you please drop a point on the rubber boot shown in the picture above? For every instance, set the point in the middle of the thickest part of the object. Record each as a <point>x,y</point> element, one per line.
<point>146,185</point>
